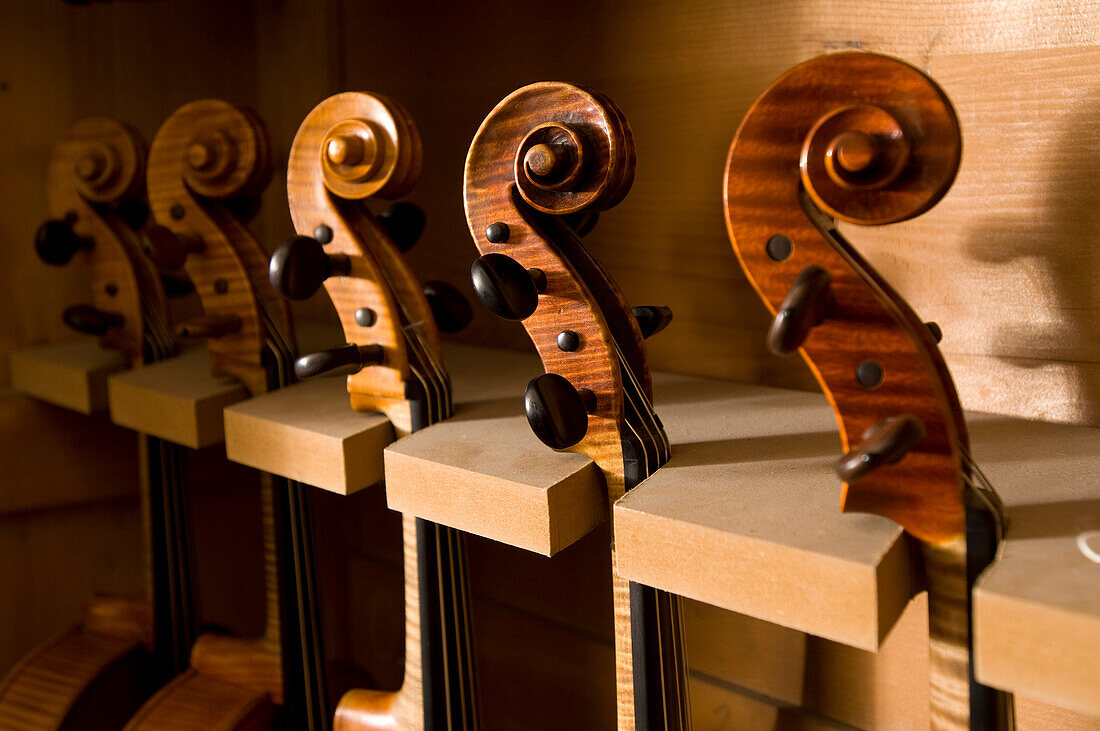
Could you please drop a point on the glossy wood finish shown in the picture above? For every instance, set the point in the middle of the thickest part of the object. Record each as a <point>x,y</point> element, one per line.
<point>324,192</point>
<point>206,153</point>
<point>104,662</point>
<point>798,124</point>
<point>350,148</point>
<point>558,149</point>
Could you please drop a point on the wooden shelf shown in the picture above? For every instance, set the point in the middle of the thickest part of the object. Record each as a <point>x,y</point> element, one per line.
<point>71,374</point>
<point>309,433</point>
<point>177,399</point>
<point>484,472</point>
<point>1037,610</point>
<point>744,516</point>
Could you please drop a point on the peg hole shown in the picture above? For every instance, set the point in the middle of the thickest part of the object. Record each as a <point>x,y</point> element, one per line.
<point>779,247</point>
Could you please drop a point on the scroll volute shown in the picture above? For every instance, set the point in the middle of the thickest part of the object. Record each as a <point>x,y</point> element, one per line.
<point>206,156</point>
<point>870,140</point>
<point>550,150</point>
<point>351,148</point>
<point>98,166</point>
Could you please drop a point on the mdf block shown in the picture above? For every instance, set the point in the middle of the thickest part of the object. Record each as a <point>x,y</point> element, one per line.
<point>308,432</point>
<point>483,471</point>
<point>744,516</point>
<point>1037,609</point>
<point>177,399</point>
<point>70,374</point>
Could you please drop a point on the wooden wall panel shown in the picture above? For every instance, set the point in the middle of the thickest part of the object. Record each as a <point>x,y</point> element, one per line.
<point>1018,316</point>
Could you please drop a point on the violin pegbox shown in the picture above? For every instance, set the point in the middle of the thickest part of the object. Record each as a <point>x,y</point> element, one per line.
<point>209,161</point>
<point>869,140</point>
<point>350,148</point>
<point>95,172</point>
<point>545,161</point>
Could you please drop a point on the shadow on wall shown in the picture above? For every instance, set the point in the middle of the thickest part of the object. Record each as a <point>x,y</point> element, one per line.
<point>1055,349</point>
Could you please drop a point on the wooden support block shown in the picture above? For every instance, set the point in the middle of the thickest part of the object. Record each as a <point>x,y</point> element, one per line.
<point>71,374</point>
<point>308,432</point>
<point>483,471</point>
<point>744,516</point>
<point>1037,610</point>
<point>177,399</point>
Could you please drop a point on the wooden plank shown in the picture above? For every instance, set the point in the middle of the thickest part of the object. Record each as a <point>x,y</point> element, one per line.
<point>176,399</point>
<point>751,479</point>
<point>72,374</point>
<point>1037,610</point>
<point>309,433</point>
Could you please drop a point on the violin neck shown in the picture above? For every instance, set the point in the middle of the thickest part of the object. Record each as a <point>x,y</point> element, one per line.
<point>958,700</point>
<point>174,626</point>
<point>656,618</point>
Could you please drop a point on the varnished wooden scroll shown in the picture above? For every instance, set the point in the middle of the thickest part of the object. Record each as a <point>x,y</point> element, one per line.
<point>351,148</point>
<point>547,151</point>
<point>869,140</point>
<point>208,160</point>
<point>97,673</point>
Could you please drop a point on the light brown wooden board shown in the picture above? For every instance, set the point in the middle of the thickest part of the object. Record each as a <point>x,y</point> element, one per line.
<point>1037,610</point>
<point>744,516</point>
<point>177,399</point>
<point>72,374</point>
<point>309,433</point>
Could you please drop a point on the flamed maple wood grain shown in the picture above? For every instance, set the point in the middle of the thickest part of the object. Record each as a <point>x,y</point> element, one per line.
<point>779,136</point>
<point>496,175</point>
<point>206,152</point>
<point>98,165</point>
<point>321,191</point>
<point>327,184</point>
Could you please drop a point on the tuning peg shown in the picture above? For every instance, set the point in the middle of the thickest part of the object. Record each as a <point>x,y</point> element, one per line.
<point>884,443</point>
<point>506,288</point>
<point>809,301</point>
<point>935,330</point>
<point>57,243</point>
<point>176,286</point>
<point>90,320</point>
<point>300,265</point>
<point>582,221</point>
<point>403,223</point>
<point>557,412</point>
<point>450,309</point>
<point>652,319</point>
<point>348,359</point>
<point>167,250</point>
<point>209,326</point>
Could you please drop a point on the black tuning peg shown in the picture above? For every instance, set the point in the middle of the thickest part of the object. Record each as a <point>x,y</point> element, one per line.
<point>208,326</point>
<point>166,250</point>
<point>652,319</point>
<point>403,222</point>
<point>57,243</point>
<point>450,309</point>
<point>884,443</point>
<point>90,320</point>
<point>809,301</point>
<point>300,265</point>
<point>557,412</point>
<point>506,288</point>
<point>176,286</point>
<point>935,330</point>
<point>348,359</point>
